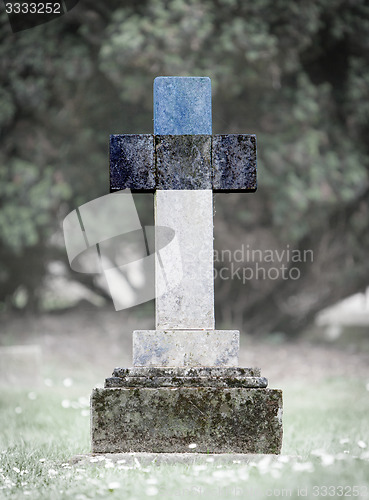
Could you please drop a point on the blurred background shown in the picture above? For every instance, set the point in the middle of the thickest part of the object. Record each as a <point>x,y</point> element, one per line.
<point>294,73</point>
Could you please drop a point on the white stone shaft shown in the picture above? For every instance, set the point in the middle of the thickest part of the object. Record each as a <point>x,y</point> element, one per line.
<point>189,305</point>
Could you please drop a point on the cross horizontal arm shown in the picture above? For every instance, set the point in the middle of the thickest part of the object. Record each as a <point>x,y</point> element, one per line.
<point>147,162</point>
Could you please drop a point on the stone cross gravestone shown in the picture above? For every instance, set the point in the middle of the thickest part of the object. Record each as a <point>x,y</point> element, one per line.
<point>185,385</point>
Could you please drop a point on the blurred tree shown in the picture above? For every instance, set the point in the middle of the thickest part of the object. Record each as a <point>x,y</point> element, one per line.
<point>296,74</point>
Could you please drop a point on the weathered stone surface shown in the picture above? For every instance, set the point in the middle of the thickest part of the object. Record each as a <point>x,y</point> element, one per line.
<point>190,305</point>
<point>168,420</point>
<point>251,382</point>
<point>183,162</point>
<point>219,162</point>
<point>185,348</point>
<point>182,105</point>
<point>234,162</point>
<point>192,371</point>
<point>132,162</point>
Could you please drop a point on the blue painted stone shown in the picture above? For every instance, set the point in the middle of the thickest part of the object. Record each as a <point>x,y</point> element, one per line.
<point>183,162</point>
<point>132,162</point>
<point>182,105</point>
<point>234,162</point>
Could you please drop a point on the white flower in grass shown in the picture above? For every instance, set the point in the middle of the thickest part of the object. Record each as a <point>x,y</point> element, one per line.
<point>277,465</point>
<point>84,402</point>
<point>264,464</point>
<point>199,467</point>
<point>18,410</point>
<point>318,453</point>
<point>327,460</point>
<point>341,456</point>
<point>94,459</point>
<point>32,396</point>
<point>114,485</point>
<point>152,480</point>
<point>121,461</point>
<point>344,440</point>
<point>52,472</point>
<point>85,413</point>
<point>361,444</point>
<point>218,473</point>
<point>152,491</point>
<point>243,474</point>
<point>65,403</point>
<point>26,492</point>
<point>210,459</point>
<point>15,469</point>
<point>192,446</point>
<point>67,382</point>
<point>42,460</point>
<point>275,473</point>
<point>303,467</point>
<point>225,474</point>
<point>109,465</point>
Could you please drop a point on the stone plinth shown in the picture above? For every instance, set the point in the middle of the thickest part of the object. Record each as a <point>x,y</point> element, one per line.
<point>185,347</point>
<point>217,416</point>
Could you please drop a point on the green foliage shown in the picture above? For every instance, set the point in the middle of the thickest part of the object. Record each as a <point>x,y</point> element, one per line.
<point>294,73</point>
<point>31,198</point>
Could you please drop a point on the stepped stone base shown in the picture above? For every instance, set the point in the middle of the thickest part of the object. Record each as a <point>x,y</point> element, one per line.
<point>225,410</point>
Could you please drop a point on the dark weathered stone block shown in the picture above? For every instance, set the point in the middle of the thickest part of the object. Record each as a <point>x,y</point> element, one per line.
<point>132,162</point>
<point>183,162</point>
<point>186,377</point>
<point>186,371</point>
<point>168,420</point>
<point>234,162</point>
<point>251,382</point>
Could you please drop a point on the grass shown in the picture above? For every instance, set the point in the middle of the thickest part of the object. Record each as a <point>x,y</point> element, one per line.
<point>325,425</point>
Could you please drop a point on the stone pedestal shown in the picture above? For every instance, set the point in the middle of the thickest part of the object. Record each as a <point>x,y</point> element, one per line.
<point>185,387</point>
<point>165,410</point>
<point>185,347</point>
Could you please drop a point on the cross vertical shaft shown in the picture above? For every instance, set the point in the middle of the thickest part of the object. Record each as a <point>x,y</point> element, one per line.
<point>182,106</point>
